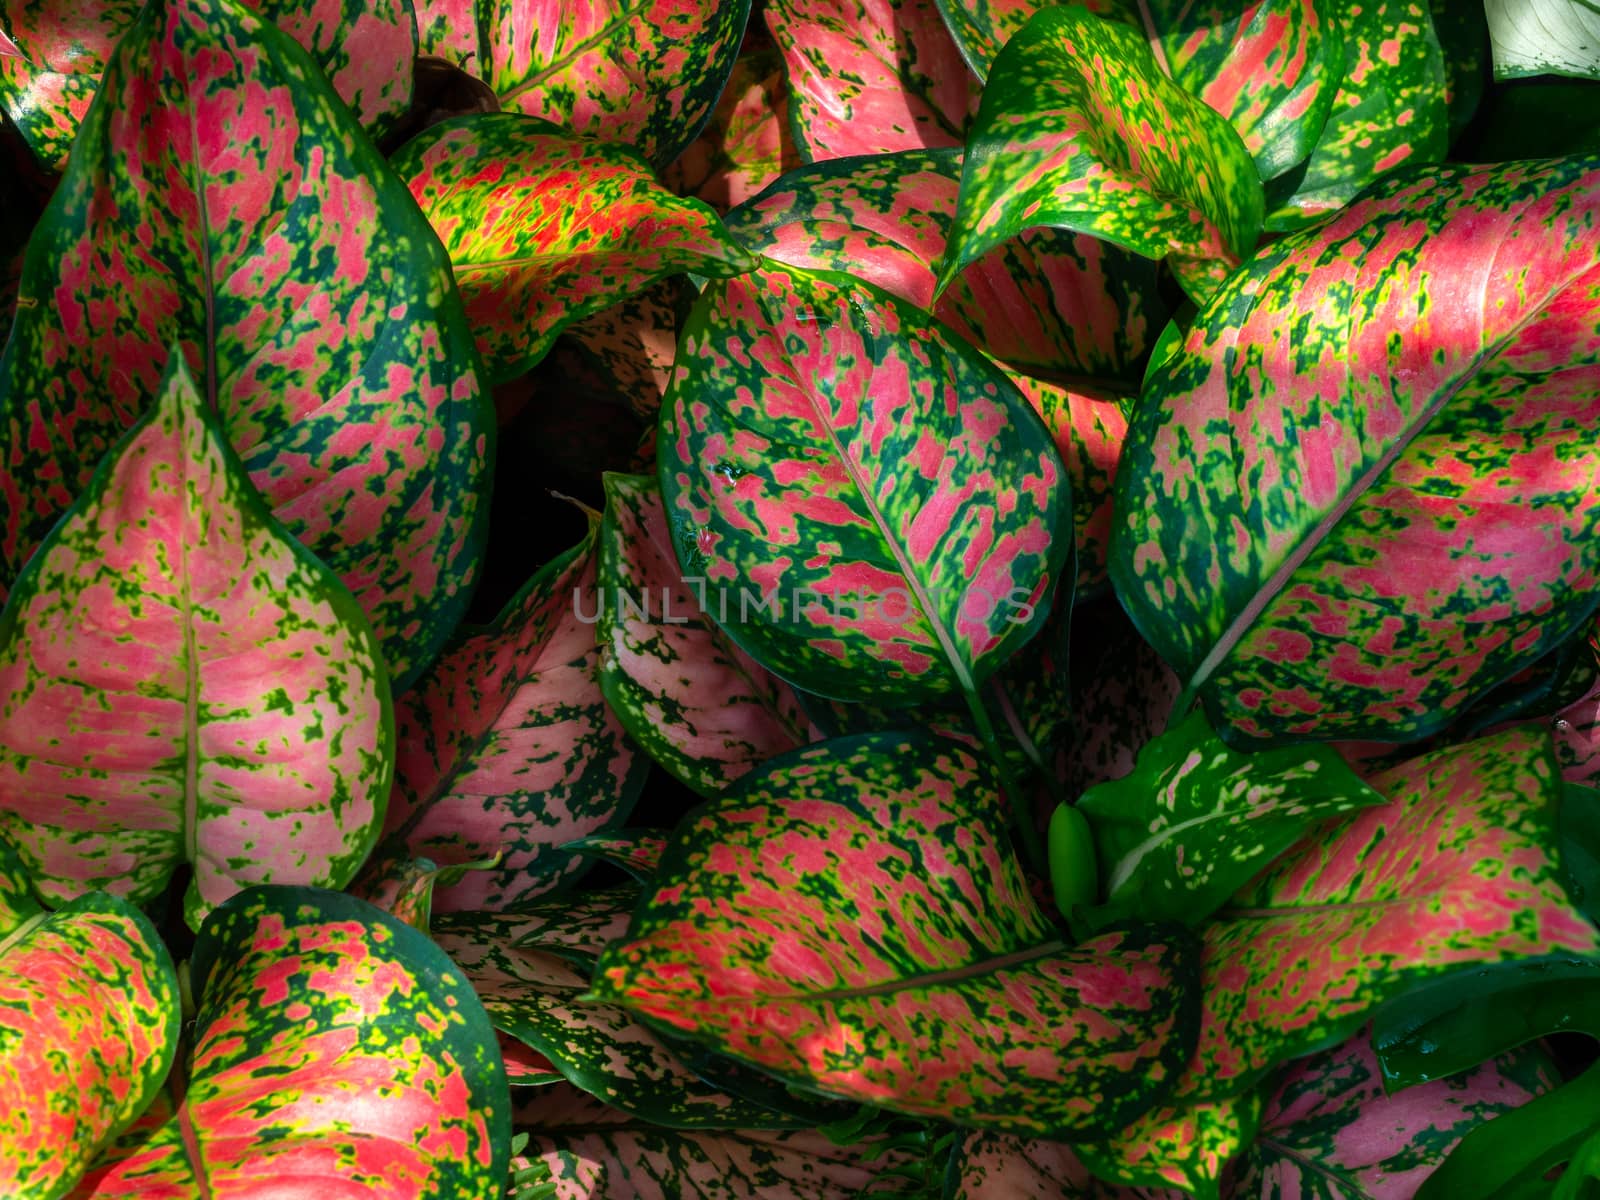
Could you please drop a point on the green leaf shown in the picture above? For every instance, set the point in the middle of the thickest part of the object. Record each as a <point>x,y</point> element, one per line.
<point>183,682</point>
<point>1080,129</point>
<point>1196,820</point>
<point>885,515</point>
<point>1580,847</point>
<point>1361,493</point>
<point>849,918</point>
<point>544,228</point>
<point>1544,37</point>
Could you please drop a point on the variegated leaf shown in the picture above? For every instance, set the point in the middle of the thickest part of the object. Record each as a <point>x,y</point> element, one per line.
<point>89,1018</point>
<point>1331,1133</point>
<point>1187,1149</point>
<point>406,888</point>
<point>872,76</point>
<point>982,27</point>
<point>182,682</point>
<point>506,746</point>
<point>631,345</point>
<point>544,228</point>
<point>313,303</point>
<point>582,924</point>
<point>336,1044</point>
<point>1362,490</point>
<point>886,515</point>
<point>850,918</point>
<point>1456,874</point>
<point>685,692</point>
<point>1195,820</point>
<point>992,1166</point>
<point>636,851</point>
<point>1081,129</point>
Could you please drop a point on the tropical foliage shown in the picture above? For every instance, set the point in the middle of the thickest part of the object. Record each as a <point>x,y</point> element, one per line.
<point>925,599</point>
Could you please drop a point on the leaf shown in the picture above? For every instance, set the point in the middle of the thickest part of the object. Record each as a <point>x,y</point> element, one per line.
<point>696,703</point>
<point>1391,110</point>
<point>636,851</point>
<point>982,27</point>
<point>89,1019</point>
<point>310,1004</point>
<point>878,502</point>
<point>1062,139</point>
<point>1330,1132</point>
<point>869,77</point>
<point>849,919</point>
<point>631,344</point>
<point>1302,481</point>
<point>1544,37</point>
<point>506,746</point>
<point>313,304</point>
<point>1188,1149</point>
<point>1195,821</point>
<point>588,1149</point>
<point>1580,847</point>
<point>407,888</point>
<point>1456,874</point>
<point>990,1165</point>
<point>544,228</point>
<point>182,682</point>
<point>645,73</point>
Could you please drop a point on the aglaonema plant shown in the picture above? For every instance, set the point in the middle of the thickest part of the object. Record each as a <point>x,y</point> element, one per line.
<point>1038,635</point>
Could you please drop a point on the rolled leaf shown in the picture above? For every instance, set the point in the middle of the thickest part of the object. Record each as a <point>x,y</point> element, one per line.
<point>636,851</point>
<point>1081,129</point>
<point>312,301</point>
<point>1544,37</point>
<point>878,503</point>
<point>1339,483</point>
<point>182,682</point>
<point>1456,874</point>
<point>695,702</point>
<point>544,228</point>
<point>768,933</point>
<point>333,1043</point>
<point>506,746</point>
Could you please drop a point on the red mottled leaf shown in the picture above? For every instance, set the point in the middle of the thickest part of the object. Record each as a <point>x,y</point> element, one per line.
<point>544,228</point>
<point>1187,1149</point>
<point>872,76</point>
<point>850,918</point>
<point>697,704</point>
<point>1345,518</point>
<point>313,304</point>
<point>332,1043</point>
<point>636,851</point>
<point>885,513</point>
<point>448,29</point>
<point>1330,1132</point>
<point>506,746</point>
<point>525,1066</point>
<point>182,682</point>
<point>364,47</point>
<point>89,1018</point>
<point>1457,873</point>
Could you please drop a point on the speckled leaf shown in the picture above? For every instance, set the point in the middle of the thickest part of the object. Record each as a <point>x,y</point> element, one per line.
<point>1047,303</point>
<point>1187,1148</point>
<point>1544,37</point>
<point>999,1166</point>
<point>585,1149</point>
<point>506,745</point>
<point>644,73</point>
<point>406,891</point>
<point>982,27</point>
<point>1195,820</point>
<point>631,344</point>
<point>849,918</point>
<point>581,924</point>
<point>1080,129</point>
<point>544,228</point>
<point>182,682</point>
<point>1362,490</point>
<point>636,851</point>
<point>89,1018</point>
<point>332,1042</point>
<point>830,453</point>
<point>1392,108</point>
<point>866,77</point>
<point>448,29</point>
<point>1458,873</point>
<point>1330,1132</point>
<point>313,303</point>
<point>695,702</point>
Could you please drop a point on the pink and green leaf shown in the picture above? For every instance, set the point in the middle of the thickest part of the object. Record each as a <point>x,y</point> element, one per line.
<point>332,1042</point>
<point>697,704</point>
<point>312,301</point>
<point>851,919</point>
<point>630,345</point>
<point>1187,1148</point>
<point>1081,129</point>
<point>871,76</point>
<point>636,851</point>
<point>990,1165</point>
<point>182,682</point>
<point>506,746</point>
<point>585,923</point>
<point>1321,495</point>
<point>544,228</point>
<point>405,890</point>
<point>831,453</point>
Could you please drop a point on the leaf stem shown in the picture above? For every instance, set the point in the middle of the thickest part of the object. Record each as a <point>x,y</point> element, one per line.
<point>1027,835</point>
<point>1181,706</point>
